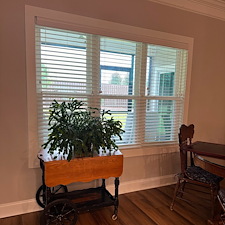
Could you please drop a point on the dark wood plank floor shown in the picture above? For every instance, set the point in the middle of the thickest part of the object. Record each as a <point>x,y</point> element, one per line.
<point>147,207</point>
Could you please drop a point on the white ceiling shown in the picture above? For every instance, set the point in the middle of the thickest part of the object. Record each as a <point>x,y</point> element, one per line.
<point>211,8</point>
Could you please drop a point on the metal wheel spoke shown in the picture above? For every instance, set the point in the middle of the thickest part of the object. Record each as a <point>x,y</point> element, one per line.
<point>50,215</point>
<point>64,205</point>
<point>67,218</point>
<point>52,220</point>
<point>56,210</point>
<point>72,210</point>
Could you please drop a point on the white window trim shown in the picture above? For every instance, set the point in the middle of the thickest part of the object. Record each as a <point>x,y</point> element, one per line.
<point>85,24</point>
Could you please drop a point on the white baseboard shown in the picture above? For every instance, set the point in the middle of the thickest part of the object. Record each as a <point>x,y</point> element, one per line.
<point>138,185</point>
<point>28,206</point>
<point>17,208</point>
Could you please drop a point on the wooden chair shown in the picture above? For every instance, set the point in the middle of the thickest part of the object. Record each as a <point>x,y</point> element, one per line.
<point>192,173</point>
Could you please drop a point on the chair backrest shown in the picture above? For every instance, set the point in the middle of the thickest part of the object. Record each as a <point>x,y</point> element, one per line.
<point>185,140</point>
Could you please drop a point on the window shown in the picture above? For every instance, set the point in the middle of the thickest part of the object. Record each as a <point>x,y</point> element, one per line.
<point>141,84</point>
<point>141,75</point>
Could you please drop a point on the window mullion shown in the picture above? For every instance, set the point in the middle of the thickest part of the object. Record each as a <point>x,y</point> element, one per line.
<point>143,66</point>
<point>93,69</point>
<point>140,78</point>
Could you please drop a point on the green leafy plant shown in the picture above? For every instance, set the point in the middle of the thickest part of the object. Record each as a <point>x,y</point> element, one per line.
<point>79,131</point>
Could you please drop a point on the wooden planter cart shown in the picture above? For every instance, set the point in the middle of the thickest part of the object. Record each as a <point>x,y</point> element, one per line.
<point>63,207</point>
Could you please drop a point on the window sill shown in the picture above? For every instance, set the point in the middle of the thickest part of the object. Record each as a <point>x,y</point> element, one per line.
<point>149,150</point>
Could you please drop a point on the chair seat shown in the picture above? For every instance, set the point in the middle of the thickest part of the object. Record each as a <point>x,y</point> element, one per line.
<point>198,174</point>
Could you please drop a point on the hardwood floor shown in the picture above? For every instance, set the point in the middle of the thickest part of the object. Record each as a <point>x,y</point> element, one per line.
<point>147,207</point>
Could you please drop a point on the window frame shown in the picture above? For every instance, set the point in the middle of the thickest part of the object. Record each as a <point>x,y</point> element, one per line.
<point>35,15</point>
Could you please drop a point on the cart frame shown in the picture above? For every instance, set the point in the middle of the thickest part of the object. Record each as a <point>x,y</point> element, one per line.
<point>60,173</point>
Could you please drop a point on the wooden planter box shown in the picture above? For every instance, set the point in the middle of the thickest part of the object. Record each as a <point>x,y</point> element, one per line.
<point>82,169</point>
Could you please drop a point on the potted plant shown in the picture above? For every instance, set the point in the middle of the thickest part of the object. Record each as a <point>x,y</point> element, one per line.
<point>77,133</point>
<point>80,131</point>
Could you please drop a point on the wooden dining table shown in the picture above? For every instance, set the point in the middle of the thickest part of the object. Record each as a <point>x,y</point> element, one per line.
<point>208,149</point>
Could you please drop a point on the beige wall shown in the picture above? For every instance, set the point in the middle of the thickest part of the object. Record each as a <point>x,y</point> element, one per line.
<point>207,96</point>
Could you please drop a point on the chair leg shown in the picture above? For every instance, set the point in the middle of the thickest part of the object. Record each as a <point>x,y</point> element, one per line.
<point>218,217</point>
<point>182,188</point>
<point>176,191</point>
<point>214,191</point>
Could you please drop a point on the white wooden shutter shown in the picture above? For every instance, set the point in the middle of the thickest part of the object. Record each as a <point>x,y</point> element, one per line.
<point>143,85</point>
<point>165,89</point>
<point>118,62</point>
<point>64,70</point>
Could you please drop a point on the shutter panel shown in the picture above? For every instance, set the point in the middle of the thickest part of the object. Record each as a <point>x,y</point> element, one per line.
<point>117,63</point>
<point>165,88</point>
<point>63,70</point>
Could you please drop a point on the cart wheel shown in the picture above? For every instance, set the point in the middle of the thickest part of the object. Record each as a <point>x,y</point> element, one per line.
<point>114,217</point>
<point>41,197</point>
<point>59,212</point>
